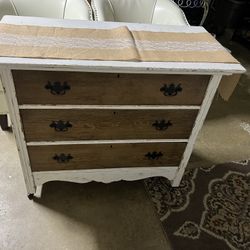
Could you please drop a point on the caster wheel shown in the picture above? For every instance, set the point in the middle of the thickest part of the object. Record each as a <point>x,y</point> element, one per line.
<point>4,122</point>
<point>31,196</point>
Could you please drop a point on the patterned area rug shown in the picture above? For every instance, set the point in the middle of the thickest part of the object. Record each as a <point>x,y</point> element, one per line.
<point>210,209</point>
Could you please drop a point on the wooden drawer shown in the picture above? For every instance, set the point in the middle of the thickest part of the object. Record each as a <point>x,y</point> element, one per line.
<point>48,87</point>
<point>97,156</point>
<point>58,125</point>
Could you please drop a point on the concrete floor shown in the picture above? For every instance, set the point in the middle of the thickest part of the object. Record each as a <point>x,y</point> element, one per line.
<point>116,216</point>
<point>92,216</point>
<point>225,135</point>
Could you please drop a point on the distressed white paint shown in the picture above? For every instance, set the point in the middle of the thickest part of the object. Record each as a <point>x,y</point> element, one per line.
<point>211,90</point>
<point>104,175</point>
<point>8,84</point>
<point>122,66</point>
<point>43,143</point>
<point>121,107</point>
<point>3,105</point>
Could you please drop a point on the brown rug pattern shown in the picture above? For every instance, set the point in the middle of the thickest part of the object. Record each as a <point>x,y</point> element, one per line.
<point>210,209</point>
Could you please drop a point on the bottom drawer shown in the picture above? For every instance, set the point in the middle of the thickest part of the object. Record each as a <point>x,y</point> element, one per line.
<point>98,156</point>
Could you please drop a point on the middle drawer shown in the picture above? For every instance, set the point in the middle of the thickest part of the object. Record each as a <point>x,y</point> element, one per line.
<point>96,124</point>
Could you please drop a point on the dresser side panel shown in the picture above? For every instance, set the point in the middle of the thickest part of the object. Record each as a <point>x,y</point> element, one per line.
<point>8,84</point>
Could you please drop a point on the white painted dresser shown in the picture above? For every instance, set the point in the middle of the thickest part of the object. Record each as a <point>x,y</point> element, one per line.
<point>81,121</point>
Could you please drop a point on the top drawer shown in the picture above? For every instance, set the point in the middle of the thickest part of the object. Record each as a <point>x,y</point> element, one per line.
<point>53,87</point>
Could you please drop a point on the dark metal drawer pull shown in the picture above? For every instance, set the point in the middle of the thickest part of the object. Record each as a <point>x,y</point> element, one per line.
<point>154,155</point>
<point>171,89</point>
<point>62,158</point>
<point>60,125</point>
<point>57,88</point>
<point>162,125</point>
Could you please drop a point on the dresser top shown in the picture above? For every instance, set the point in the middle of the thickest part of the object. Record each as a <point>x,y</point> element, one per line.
<point>190,66</point>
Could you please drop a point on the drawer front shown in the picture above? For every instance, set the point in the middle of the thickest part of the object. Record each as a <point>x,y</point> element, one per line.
<point>58,125</point>
<point>97,156</point>
<point>44,87</point>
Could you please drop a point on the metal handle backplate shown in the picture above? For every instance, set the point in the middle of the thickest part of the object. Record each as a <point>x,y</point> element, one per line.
<point>171,89</point>
<point>61,126</point>
<point>57,88</point>
<point>154,155</point>
<point>162,125</point>
<point>62,158</point>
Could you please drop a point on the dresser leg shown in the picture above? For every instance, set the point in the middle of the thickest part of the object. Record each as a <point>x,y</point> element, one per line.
<point>175,182</point>
<point>31,196</point>
<point>4,122</point>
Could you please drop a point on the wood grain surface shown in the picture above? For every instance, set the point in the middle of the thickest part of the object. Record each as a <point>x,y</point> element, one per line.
<point>97,156</point>
<point>107,124</point>
<point>108,88</point>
